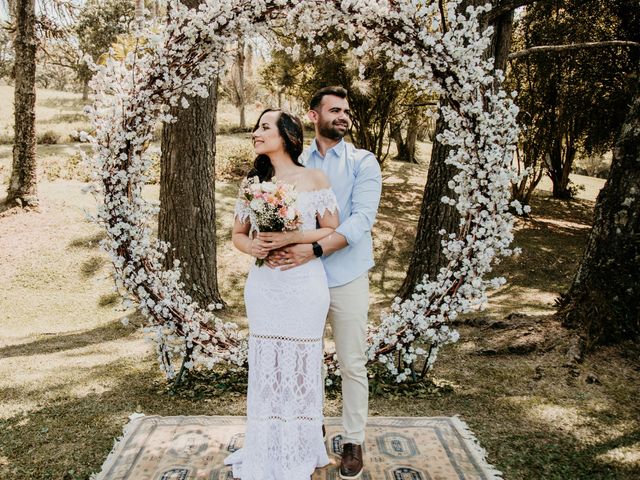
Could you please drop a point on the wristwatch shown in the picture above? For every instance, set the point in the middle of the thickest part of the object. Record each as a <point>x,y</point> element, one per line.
<point>317,249</point>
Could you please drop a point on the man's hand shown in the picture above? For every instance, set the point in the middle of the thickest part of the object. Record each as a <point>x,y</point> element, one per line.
<point>291,256</point>
<point>276,240</point>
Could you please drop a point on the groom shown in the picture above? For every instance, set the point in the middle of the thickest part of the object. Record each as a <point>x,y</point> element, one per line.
<point>347,255</point>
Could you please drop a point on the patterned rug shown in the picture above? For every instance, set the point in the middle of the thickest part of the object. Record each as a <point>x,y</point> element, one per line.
<point>190,448</point>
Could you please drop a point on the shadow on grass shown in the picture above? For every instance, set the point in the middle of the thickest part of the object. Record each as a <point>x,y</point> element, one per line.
<point>518,445</point>
<point>92,266</point>
<point>89,242</point>
<point>69,438</point>
<point>401,198</point>
<point>576,210</point>
<point>393,239</point>
<point>551,240</point>
<point>57,343</point>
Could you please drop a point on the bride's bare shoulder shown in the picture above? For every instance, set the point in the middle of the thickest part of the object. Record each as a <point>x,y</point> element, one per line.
<point>317,179</point>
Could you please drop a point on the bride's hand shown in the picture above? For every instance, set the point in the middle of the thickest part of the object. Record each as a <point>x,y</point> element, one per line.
<point>258,248</point>
<point>275,240</point>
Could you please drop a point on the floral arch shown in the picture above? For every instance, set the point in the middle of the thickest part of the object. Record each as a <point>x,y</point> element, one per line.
<point>171,65</point>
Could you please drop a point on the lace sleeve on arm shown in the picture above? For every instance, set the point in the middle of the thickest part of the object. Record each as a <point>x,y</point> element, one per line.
<point>241,211</point>
<point>325,200</point>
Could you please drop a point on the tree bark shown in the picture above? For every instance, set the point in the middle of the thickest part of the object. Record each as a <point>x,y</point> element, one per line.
<point>573,46</point>
<point>139,9</point>
<point>23,183</point>
<point>561,157</point>
<point>187,218</point>
<point>406,146</point>
<point>85,90</point>
<point>507,6</point>
<point>241,84</point>
<point>427,257</point>
<point>604,298</point>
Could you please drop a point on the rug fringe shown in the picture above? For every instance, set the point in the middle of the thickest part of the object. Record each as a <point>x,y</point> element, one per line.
<point>477,451</point>
<point>111,458</point>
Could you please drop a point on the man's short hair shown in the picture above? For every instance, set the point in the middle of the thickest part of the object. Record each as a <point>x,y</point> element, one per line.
<point>316,100</point>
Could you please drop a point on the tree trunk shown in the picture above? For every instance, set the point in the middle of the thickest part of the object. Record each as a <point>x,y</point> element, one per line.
<point>23,182</point>
<point>406,146</point>
<point>604,298</point>
<point>395,131</point>
<point>85,90</point>
<point>427,257</point>
<point>241,87</point>
<point>501,40</point>
<point>187,217</point>
<point>561,161</point>
<point>139,9</point>
<point>412,137</point>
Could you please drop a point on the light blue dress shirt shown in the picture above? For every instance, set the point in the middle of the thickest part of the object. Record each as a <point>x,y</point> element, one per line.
<point>356,180</point>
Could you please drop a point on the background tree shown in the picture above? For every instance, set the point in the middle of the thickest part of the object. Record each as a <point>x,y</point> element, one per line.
<point>97,27</point>
<point>281,75</point>
<point>187,217</point>
<point>23,182</point>
<point>28,30</point>
<point>239,86</point>
<point>374,101</point>
<point>572,101</point>
<point>411,121</point>
<point>6,51</point>
<point>139,8</point>
<point>604,298</point>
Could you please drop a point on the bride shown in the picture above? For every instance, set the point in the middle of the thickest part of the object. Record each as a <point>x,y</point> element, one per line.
<point>286,310</point>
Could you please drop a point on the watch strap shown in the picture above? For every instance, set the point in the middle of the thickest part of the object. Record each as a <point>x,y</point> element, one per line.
<point>317,249</point>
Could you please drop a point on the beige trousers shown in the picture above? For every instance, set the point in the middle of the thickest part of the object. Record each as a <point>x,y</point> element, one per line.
<point>348,315</point>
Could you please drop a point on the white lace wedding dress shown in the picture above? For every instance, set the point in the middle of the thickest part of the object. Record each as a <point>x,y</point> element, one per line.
<point>286,312</point>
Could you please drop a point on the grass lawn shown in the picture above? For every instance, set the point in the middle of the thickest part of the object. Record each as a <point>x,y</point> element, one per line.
<point>71,373</point>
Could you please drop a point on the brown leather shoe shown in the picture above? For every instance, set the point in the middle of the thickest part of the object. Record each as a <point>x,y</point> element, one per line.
<point>351,463</point>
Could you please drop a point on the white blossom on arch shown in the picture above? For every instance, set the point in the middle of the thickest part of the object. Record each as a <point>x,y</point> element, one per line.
<point>175,61</point>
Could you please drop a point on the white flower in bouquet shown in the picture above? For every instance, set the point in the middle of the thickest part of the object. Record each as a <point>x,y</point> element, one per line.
<point>268,187</point>
<point>256,205</point>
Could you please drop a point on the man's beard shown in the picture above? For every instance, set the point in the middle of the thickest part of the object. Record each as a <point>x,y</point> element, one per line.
<point>329,130</point>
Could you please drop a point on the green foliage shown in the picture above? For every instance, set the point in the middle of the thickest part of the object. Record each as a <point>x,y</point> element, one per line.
<point>240,85</point>
<point>65,167</point>
<point>48,138</point>
<point>97,27</point>
<point>6,52</point>
<point>6,136</point>
<point>234,160</point>
<point>572,101</point>
<point>199,384</point>
<point>377,101</point>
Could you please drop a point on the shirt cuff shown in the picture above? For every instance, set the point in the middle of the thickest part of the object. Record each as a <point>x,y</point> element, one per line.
<point>345,231</point>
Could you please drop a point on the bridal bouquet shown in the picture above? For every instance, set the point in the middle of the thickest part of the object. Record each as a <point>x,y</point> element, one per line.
<point>271,206</point>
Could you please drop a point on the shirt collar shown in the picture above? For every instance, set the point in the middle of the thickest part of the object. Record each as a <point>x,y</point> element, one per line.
<point>337,149</point>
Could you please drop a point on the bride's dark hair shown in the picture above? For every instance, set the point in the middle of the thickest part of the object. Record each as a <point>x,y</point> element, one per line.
<point>290,128</point>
